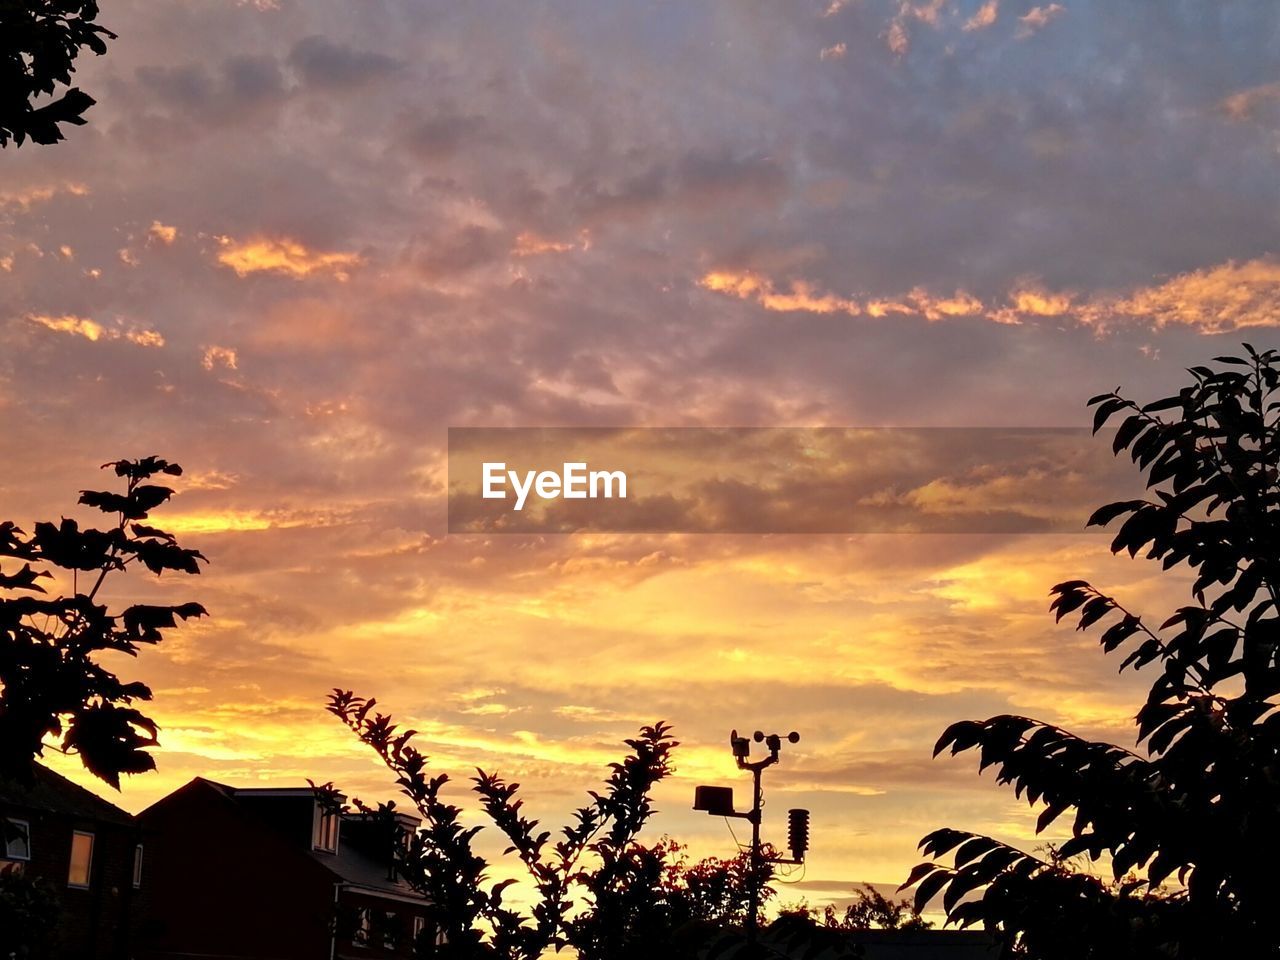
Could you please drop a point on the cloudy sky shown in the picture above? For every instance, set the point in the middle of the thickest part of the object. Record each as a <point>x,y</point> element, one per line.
<point>299,239</point>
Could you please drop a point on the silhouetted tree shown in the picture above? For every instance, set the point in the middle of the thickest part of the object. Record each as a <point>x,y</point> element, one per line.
<point>658,904</point>
<point>1199,801</point>
<point>54,692</point>
<point>718,891</point>
<point>802,931</point>
<point>872,910</point>
<point>39,43</point>
<point>440,862</point>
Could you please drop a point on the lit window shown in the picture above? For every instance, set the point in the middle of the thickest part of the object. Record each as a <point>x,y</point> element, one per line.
<point>327,820</point>
<point>81,859</point>
<point>17,840</point>
<point>419,924</point>
<point>364,927</point>
<point>137,866</point>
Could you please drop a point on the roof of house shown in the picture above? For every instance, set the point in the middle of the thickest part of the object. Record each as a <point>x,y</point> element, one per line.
<point>54,793</point>
<point>348,865</point>
<point>357,869</point>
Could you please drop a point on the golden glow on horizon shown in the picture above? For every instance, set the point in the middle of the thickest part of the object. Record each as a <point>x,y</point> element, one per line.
<point>233,521</point>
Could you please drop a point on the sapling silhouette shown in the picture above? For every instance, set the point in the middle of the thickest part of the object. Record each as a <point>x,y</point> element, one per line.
<point>588,869</point>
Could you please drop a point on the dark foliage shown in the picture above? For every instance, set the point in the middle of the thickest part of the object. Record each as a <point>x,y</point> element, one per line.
<point>872,910</point>
<point>801,931</point>
<point>29,913</point>
<point>39,43</point>
<point>1197,804</point>
<point>659,904</point>
<point>54,692</point>
<point>593,866</point>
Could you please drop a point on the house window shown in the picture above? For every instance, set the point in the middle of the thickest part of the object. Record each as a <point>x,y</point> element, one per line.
<point>419,924</point>
<point>81,859</point>
<point>390,931</point>
<point>137,867</point>
<point>327,820</point>
<point>17,840</point>
<point>363,934</point>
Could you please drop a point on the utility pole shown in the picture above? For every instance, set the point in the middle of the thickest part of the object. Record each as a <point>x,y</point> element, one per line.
<point>718,801</point>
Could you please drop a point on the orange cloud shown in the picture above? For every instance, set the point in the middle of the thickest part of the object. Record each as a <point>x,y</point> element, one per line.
<point>161,232</point>
<point>285,257</point>
<point>896,37</point>
<point>801,296</point>
<point>834,52</point>
<point>79,326</point>
<point>984,17</point>
<point>1217,299</point>
<point>531,244</point>
<point>1037,18</point>
<point>926,12</point>
<point>24,199</point>
<point>1243,104</point>
<point>245,521</point>
<point>145,338</point>
<point>92,330</point>
<point>1029,302</point>
<point>215,356</point>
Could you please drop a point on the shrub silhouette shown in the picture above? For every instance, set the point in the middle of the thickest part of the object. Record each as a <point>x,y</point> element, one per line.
<point>1197,803</point>
<point>467,908</point>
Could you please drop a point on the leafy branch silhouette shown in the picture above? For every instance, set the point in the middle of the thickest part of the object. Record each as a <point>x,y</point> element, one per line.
<point>39,43</point>
<point>53,691</point>
<point>1197,805</point>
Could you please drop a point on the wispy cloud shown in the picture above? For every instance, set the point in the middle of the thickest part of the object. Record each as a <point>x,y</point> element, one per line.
<point>1216,299</point>
<point>1245,104</point>
<point>985,16</point>
<point>284,257</point>
<point>24,199</point>
<point>94,331</point>
<point>1037,18</point>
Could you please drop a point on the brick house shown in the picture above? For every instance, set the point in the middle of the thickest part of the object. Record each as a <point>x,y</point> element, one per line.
<point>273,875</point>
<point>84,848</point>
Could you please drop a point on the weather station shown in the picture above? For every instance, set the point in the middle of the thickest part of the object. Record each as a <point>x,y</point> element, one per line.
<point>718,802</point>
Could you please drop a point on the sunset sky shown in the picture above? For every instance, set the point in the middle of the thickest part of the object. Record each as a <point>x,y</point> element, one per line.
<point>300,239</point>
